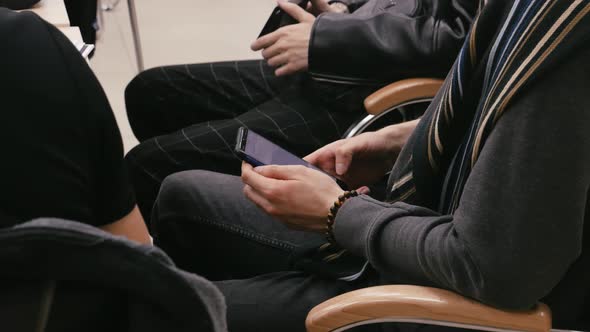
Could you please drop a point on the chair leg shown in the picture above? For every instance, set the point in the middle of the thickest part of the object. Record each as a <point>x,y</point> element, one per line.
<point>136,37</point>
<point>99,19</point>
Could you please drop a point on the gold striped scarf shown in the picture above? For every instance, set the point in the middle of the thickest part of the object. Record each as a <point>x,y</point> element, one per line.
<point>510,44</point>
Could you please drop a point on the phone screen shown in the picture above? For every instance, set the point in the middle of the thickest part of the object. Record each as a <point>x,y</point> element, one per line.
<point>268,153</point>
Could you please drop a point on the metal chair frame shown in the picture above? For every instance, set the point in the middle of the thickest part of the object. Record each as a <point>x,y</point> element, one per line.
<point>360,126</point>
<point>134,27</point>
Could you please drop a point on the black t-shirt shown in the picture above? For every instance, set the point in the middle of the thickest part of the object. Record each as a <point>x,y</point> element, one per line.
<point>61,152</point>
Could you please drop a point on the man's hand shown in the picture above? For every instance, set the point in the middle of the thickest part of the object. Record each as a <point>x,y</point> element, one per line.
<point>363,159</point>
<point>298,196</point>
<point>288,47</point>
<point>316,7</point>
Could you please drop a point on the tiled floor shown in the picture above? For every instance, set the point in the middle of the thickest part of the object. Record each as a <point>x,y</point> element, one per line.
<point>173,31</point>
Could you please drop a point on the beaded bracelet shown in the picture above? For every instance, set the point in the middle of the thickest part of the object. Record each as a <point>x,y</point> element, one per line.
<point>332,214</point>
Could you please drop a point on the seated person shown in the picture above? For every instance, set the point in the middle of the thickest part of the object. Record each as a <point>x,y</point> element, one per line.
<point>63,154</point>
<point>82,13</point>
<point>305,94</point>
<point>488,197</point>
<point>18,4</point>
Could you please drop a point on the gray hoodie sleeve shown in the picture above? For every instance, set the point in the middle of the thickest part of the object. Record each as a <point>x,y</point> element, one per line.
<point>519,223</point>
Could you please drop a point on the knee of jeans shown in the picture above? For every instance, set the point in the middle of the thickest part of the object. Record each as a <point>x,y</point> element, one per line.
<point>177,197</point>
<point>179,190</point>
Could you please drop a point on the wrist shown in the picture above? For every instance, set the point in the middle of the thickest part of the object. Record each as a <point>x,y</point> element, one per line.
<point>331,218</point>
<point>330,199</point>
<point>397,135</point>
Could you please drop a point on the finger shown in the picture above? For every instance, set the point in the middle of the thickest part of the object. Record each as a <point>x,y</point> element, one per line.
<point>290,173</point>
<point>266,40</point>
<point>364,190</point>
<point>257,198</point>
<point>343,158</point>
<point>281,172</point>
<point>313,158</point>
<point>296,12</point>
<point>257,181</point>
<point>287,69</point>
<point>324,159</point>
<point>246,167</point>
<point>322,153</point>
<point>320,5</point>
<point>272,51</point>
<point>278,60</point>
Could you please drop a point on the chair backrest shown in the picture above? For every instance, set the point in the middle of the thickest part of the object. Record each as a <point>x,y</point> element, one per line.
<point>18,4</point>
<point>57,275</point>
<point>27,305</point>
<point>397,102</point>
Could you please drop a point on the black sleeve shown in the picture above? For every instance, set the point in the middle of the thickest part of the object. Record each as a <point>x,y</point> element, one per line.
<point>114,195</point>
<point>82,13</point>
<point>519,224</point>
<point>63,151</point>
<point>385,45</point>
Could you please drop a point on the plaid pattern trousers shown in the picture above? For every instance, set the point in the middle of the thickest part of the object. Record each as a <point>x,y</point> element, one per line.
<point>187,116</point>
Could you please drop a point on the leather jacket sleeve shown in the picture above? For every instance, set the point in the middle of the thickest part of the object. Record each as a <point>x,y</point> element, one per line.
<point>387,40</point>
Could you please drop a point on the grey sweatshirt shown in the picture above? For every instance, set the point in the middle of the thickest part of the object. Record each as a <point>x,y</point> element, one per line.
<point>518,234</point>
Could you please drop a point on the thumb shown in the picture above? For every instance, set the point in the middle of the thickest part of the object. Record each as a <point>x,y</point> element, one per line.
<point>364,190</point>
<point>296,12</point>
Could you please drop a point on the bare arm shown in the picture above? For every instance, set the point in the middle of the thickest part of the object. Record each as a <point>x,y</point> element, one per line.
<point>131,226</point>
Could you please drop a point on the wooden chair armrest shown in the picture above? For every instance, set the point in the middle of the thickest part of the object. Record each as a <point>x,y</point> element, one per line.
<point>401,92</point>
<point>404,303</point>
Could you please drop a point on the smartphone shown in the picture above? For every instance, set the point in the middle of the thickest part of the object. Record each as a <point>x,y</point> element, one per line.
<point>278,18</point>
<point>259,151</point>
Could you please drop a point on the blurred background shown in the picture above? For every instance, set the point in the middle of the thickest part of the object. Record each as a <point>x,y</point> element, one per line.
<point>172,32</point>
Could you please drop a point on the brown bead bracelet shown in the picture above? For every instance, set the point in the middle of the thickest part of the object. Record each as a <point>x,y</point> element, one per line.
<point>332,214</point>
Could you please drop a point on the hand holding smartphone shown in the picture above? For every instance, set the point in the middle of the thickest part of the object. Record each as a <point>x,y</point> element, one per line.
<point>278,18</point>
<point>259,151</point>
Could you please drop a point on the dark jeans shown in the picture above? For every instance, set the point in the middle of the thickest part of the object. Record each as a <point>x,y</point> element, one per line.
<point>204,222</point>
<point>187,117</point>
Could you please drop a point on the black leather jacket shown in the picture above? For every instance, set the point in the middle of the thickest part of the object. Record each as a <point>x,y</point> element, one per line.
<point>382,41</point>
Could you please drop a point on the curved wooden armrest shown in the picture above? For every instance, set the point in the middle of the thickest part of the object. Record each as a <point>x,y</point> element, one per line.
<point>401,92</point>
<point>403,303</point>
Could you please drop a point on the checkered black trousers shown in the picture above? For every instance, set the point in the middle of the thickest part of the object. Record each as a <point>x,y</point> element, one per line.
<point>187,117</point>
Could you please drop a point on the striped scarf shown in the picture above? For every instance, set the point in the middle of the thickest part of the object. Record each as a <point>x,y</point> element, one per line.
<point>509,45</point>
